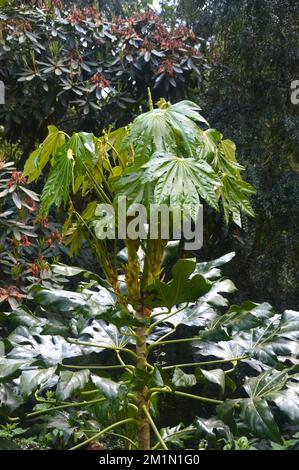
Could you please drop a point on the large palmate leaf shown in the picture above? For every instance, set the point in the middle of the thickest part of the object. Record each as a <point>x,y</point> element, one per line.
<point>106,336</point>
<point>268,386</point>
<point>33,346</point>
<point>162,127</point>
<point>61,177</point>
<point>181,182</point>
<point>68,165</point>
<point>254,331</point>
<point>181,379</point>
<point>181,288</point>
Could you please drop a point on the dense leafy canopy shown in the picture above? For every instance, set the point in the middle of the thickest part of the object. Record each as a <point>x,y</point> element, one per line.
<point>74,67</point>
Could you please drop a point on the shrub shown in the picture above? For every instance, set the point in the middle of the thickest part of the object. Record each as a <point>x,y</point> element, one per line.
<point>28,244</point>
<point>74,67</point>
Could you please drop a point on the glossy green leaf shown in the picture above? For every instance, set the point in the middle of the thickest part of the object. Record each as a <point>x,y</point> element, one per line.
<point>215,376</point>
<point>39,158</point>
<point>32,379</point>
<point>11,366</point>
<point>181,379</point>
<point>181,288</point>
<point>70,382</point>
<point>107,387</point>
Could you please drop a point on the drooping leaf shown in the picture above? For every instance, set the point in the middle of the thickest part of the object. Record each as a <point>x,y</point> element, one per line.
<point>212,429</point>
<point>107,387</point>
<point>32,379</point>
<point>255,410</point>
<point>10,366</point>
<point>61,176</point>
<point>216,376</point>
<point>181,379</point>
<point>70,382</point>
<point>177,435</point>
<point>180,182</point>
<point>39,158</point>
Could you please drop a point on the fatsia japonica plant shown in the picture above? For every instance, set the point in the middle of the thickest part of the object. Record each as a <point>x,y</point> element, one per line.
<point>106,349</point>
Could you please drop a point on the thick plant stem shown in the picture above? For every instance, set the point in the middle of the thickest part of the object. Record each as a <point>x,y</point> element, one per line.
<point>143,423</point>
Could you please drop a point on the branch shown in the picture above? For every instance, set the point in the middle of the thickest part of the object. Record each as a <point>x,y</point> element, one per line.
<point>59,407</point>
<point>205,363</point>
<point>96,345</point>
<point>174,341</point>
<point>158,435</point>
<point>70,366</point>
<point>212,401</point>
<point>112,426</point>
<point>162,320</point>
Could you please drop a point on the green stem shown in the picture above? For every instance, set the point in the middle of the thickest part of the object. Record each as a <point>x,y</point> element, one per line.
<point>150,99</point>
<point>158,435</point>
<point>205,363</point>
<point>97,187</point>
<point>159,341</point>
<point>164,319</point>
<point>125,438</point>
<point>90,392</point>
<point>173,341</point>
<point>109,428</point>
<point>185,395</point>
<point>59,407</point>
<point>95,345</point>
<point>212,401</point>
<point>94,367</point>
<point>129,368</point>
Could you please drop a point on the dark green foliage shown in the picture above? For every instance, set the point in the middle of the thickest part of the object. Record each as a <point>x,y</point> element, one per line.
<point>74,67</point>
<point>27,244</point>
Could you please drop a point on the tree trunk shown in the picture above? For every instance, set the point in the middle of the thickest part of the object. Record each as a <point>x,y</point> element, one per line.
<point>143,423</point>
